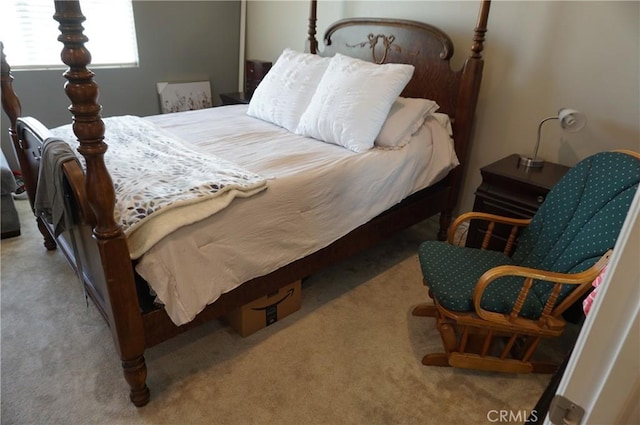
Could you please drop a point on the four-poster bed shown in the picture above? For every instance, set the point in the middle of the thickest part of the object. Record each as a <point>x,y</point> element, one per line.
<point>96,245</point>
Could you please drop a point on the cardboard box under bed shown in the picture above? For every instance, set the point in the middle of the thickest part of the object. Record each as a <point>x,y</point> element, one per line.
<point>266,310</point>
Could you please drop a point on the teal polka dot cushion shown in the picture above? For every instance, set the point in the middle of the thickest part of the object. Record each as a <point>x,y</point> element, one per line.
<point>452,272</point>
<point>581,217</point>
<point>579,221</point>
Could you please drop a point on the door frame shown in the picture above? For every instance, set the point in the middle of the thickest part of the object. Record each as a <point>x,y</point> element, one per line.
<point>603,372</point>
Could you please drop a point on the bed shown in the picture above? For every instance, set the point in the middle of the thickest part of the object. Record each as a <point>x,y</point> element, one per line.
<point>363,195</point>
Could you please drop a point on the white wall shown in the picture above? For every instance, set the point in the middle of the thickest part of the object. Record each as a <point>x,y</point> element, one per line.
<point>540,56</point>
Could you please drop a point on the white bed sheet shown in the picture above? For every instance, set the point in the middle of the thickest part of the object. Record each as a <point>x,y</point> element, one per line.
<point>317,192</point>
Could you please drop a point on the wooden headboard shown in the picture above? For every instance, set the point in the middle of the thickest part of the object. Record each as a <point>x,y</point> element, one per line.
<point>427,48</point>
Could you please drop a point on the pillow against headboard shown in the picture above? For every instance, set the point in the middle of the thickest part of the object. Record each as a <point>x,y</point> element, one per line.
<point>284,93</point>
<point>405,117</point>
<point>352,101</point>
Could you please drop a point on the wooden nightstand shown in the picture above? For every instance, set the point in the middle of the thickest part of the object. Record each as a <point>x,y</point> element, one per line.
<point>235,98</point>
<point>511,191</point>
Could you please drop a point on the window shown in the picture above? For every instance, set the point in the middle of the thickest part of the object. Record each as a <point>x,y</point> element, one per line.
<point>30,34</point>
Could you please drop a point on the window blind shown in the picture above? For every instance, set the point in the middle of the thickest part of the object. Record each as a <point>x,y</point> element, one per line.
<point>30,34</point>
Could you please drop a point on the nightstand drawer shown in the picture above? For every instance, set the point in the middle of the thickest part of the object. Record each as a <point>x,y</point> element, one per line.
<point>511,191</point>
<point>521,203</point>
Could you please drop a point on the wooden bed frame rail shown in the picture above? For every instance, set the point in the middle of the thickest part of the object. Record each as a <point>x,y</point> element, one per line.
<point>109,274</point>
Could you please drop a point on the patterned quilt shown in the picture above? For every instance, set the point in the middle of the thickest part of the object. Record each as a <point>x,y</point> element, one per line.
<point>154,172</point>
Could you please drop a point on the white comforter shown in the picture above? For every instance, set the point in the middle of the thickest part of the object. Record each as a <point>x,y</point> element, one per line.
<point>317,192</point>
<point>158,180</point>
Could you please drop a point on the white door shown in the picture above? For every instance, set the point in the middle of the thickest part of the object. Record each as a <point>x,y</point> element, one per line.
<point>603,373</point>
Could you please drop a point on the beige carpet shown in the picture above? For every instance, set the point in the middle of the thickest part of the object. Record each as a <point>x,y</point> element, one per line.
<point>351,355</point>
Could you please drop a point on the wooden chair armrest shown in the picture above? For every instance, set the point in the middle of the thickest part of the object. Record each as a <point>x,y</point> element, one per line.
<point>516,224</point>
<point>549,313</point>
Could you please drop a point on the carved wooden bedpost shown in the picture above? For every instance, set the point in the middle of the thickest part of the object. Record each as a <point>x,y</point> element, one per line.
<point>470,79</point>
<point>13,109</point>
<point>312,42</point>
<point>123,311</point>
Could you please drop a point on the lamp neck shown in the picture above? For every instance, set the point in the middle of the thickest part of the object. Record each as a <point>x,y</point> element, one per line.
<point>535,152</point>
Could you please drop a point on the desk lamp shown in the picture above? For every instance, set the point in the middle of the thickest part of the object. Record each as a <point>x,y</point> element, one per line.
<point>570,120</point>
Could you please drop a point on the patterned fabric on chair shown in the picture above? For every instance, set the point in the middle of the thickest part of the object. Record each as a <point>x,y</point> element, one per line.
<point>578,223</point>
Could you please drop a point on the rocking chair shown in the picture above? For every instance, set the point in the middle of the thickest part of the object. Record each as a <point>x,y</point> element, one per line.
<point>493,308</point>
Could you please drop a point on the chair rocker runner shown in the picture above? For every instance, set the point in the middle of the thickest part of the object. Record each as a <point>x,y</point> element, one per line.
<point>493,308</point>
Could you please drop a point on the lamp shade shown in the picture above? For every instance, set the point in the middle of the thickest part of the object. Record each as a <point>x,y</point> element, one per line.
<point>570,120</point>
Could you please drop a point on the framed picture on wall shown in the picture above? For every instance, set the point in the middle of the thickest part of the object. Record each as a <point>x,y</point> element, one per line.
<point>184,96</point>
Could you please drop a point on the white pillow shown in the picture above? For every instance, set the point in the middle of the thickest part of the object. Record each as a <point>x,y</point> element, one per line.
<point>405,118</point>
<point>352,101</point>
<point>284,93</point>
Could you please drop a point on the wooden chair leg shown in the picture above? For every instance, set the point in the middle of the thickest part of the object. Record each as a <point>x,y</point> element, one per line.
<point>450,343</point>
<point>436,359</point>
<point>448,335</point>
<point>424,310</point>
<point>472,350</point>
